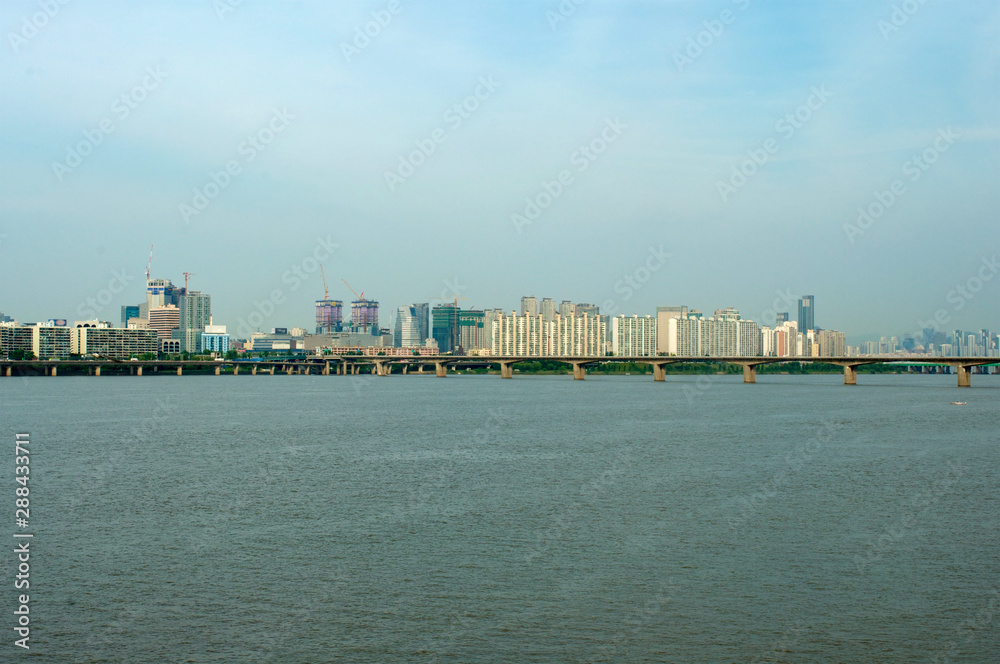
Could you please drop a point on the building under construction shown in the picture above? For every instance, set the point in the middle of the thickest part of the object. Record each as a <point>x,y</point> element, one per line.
<point>329,316</point>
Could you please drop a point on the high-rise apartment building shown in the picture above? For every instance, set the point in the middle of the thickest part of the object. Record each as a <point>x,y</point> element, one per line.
<point>529,305</point>
<point>633,335</point>
<point>548,309</point>
<point>663,315</point>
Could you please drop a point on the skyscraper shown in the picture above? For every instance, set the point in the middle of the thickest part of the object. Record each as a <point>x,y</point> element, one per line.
<point>407,332</point>
<point>423,313</point>
<point>807,314</point>
<point>529,305</point>
<point>195,313</point>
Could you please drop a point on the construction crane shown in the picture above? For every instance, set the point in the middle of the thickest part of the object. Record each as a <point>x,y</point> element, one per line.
<point>326,291</point>
<point>149,264</point>
<point>187,275</point>
<point>360,297</point>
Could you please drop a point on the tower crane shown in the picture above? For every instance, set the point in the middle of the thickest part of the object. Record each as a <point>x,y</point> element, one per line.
<point>187,275</point>
<point>326,291</point>
<point>149,264</point>
<point>454,341</point>
<point>360,297</point>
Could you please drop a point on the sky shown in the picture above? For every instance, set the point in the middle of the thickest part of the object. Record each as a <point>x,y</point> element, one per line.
<point>628,154</point>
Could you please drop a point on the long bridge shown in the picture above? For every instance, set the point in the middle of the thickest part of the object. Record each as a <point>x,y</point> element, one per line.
<point>381,365</point>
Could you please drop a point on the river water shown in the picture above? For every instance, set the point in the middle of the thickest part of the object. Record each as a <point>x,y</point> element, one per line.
<point>540,519</point>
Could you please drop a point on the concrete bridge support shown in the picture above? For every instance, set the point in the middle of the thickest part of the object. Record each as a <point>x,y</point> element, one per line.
<point>420,368</point>
<point>218,371</point>
<point>659,372</point>
<point>289,369</point>
<point>579,372</point>
<point>97,370</point>
<point>749,373</point>
<point>179,371</point>
<point>253,370</point>
<point>506,369</point>
<point>236,370</point>
<point>138,371</point>
<point>8,371</point>
<point>54,372</point>
<point>272,369</point>
<point>441,369</point>
<point>382,369</point>
<point>850,374</point>
<point>405,367</point>
<point>964,375</point>
<point>326,368</point>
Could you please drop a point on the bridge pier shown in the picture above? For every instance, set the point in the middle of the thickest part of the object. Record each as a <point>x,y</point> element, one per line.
<point>289,369</point>
<point>579,372</point>
<point>179,371</point>
<point>272,369</point>
<point>850,374</point>
<point>382,369</point>
<point>326,368</point>
<point>420,369</point>
<point>253,370</point>
<point>8,371</point>
<point>659,372</point>
<point>441,369</point>
<point>964,375</point>
<point>405,368</point>
<point>54,373</point>
<point>218,371</point>
<point>236,370</point>
<point>749,373</point>
<point>97,370</point>
<point>506,369</point>
<point>138,371</point>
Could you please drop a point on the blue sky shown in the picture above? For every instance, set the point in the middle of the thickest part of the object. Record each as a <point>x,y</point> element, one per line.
<point>887,93</point>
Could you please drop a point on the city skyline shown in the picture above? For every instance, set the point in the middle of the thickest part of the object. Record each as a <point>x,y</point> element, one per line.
<point>266,309</point>
<point>850,160</point>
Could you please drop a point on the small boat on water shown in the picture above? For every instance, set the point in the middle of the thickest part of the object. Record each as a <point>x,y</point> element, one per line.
<point>959,403</point>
